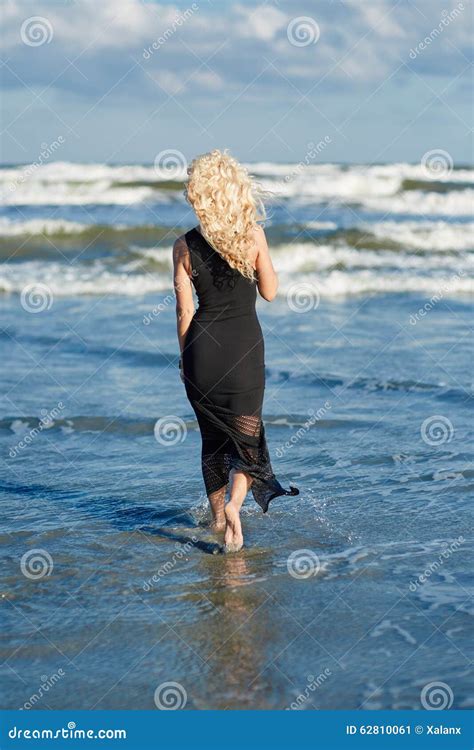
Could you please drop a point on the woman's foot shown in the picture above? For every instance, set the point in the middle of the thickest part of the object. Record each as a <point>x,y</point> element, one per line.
<point>233,538</point>
<point>217,503</point>
<point>218,522</point>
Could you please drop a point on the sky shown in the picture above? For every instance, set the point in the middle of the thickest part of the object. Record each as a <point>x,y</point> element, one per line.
<point>118,81</point>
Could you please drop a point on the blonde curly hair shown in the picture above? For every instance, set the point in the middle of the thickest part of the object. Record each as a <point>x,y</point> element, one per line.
<point>228,205</point>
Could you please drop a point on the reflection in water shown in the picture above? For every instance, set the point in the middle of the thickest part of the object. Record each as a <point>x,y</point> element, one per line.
<point>235,635</point>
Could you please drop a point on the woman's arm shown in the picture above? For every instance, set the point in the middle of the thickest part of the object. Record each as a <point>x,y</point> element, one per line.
<point>183,289</point>
<point>267,279</point>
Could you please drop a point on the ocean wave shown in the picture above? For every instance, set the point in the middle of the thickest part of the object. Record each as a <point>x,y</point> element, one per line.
<point>356,183</point>
<point>329,380</point>
<point>44,227</point>
<point>306,258</point>
<point>331,272</point>
<point>62,230</point>
<point>420,203</point>
<point>38,193</point>
<point>425,235</point>
<point>62,183</point>
<point>398,171</point>
<point>416,235</point>
<point>20,425</point>
<point>95,278</point>
<point>76,173</point>
<point>363,282</point>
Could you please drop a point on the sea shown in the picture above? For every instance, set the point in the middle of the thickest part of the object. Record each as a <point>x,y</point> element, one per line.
<point>357,594</point>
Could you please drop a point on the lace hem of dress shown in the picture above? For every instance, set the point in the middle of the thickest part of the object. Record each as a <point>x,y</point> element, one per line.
<point>245,449</point>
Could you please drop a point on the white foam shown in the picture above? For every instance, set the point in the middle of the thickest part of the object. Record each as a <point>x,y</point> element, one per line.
<point>340,284</point>
<point>396,171</point>
<point>37,193</point>
<point>419,203</point>
<point>60,183</point>
<point>307,257</point>
<point>363,272</point>
<point>63,280</point>
<point>430,235</point>
<point>32,227</point>
<point>327,225</point>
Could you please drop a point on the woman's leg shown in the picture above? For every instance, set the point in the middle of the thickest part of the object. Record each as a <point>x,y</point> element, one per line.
<point>217,503</point>
<point>239,486</point>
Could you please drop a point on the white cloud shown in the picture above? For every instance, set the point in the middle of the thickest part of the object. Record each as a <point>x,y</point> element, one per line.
<point>370,38</point>
<point>260,22</point>
<point>208,79</point>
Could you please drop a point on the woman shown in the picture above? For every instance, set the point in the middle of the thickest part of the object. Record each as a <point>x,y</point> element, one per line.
<point>226,258</point>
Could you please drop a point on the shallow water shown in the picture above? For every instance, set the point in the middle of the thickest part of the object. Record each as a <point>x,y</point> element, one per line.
<point>324,608</point>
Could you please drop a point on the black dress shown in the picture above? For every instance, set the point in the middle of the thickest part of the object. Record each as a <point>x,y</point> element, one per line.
<point>224,373</point>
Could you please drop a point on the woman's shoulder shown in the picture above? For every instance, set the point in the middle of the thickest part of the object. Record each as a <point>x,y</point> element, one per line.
<point>259,242</point>
<point>181,249</point>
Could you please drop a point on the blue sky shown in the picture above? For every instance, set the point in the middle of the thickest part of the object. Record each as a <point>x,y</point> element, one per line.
<point>121,80</point>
